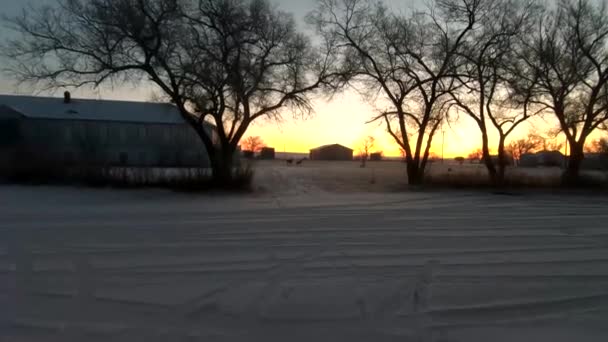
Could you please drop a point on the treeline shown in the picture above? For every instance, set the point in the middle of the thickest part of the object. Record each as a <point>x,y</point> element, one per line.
<point>231,62</point>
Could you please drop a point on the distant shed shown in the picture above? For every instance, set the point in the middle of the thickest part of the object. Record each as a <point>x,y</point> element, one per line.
<point>376,156</point>
<point>595,161</point>
<point>542,159</point>
<point>331,152</point>
<point>267,153</point>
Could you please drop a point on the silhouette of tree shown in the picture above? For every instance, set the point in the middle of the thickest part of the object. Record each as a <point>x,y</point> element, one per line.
<point>565,58</point>
<point>476,155</point>
<point>484,92</point>
<point>365,149</point>
<point>598,146</point>
<point>532,143</point>
<point>434,157</point>
<point>400,62</point>
<point>253,144</point>
<point>220,61</point>
<point>549,143</point>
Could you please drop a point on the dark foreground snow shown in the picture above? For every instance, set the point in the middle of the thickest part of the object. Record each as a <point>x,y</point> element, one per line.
<point>155,266</point>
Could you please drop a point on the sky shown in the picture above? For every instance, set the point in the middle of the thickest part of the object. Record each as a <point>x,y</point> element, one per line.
<point>341,119</point>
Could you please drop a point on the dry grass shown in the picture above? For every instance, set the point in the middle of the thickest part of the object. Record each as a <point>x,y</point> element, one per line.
<point>179,179</point>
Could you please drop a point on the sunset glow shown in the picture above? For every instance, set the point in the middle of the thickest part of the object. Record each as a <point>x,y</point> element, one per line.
<point>342,119</point>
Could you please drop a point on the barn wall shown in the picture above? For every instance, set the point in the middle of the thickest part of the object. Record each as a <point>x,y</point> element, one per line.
<point>10,136</point>
<point>114,143</point>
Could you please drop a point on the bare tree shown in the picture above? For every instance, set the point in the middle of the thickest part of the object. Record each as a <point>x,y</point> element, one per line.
<point>253,144</point>
<point>228,62</point>
<point>483,76</point>
<point>532,143</point>
<point>548,142</point>
<point>365,149</point>
<point>476,155</point>
<point>567,56</point>
<point>401,62</point>
<point>598,146</point>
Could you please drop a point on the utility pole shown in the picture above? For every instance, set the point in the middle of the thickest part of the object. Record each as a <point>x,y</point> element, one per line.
<point>442,145</point>
<point>566,159</point>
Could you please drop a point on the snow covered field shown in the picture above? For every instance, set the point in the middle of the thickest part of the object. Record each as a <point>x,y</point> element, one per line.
<point>101,265</point>
<point>386,176</point>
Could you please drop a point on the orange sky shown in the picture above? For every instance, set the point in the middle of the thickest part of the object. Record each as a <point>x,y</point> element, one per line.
<point>341,120</point>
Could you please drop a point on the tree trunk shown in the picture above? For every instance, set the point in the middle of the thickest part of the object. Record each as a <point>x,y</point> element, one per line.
<point>222,167</point>
<point>415,175</point>
<point>502,163</point>
<point>487,159</point>
<point>572,174</point>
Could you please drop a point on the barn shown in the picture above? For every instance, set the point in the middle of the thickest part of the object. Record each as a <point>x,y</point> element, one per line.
<point>331,152</point>
<point>595,161</point>
<point>100,132</point>
<point>542,159</point>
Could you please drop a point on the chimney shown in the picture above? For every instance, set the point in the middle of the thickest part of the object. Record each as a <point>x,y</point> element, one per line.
<point>67,97</point>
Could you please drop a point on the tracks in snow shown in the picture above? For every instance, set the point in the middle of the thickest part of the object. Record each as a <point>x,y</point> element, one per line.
<point>437,263</point>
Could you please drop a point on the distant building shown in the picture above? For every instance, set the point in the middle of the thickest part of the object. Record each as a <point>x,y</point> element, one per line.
<point>247,154</point>
<point>267,153</point>
<point>376,156</point>
<point>508,159</point>
<point>111,133</point>
<point>595,161</point>
<point>543,158</point>
<point>291,155</point>
<point>331,152</point>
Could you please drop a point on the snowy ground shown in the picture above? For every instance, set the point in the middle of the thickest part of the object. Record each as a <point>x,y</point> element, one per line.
<point>313,177</point>
<point>101,265</point>
<point>386,176</point>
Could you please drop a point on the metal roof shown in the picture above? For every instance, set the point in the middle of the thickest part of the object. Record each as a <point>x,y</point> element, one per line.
<point>90,109</point>
<point>330,145</point>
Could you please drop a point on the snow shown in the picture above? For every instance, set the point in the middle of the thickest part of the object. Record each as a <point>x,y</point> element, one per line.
<point>151,265</point>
